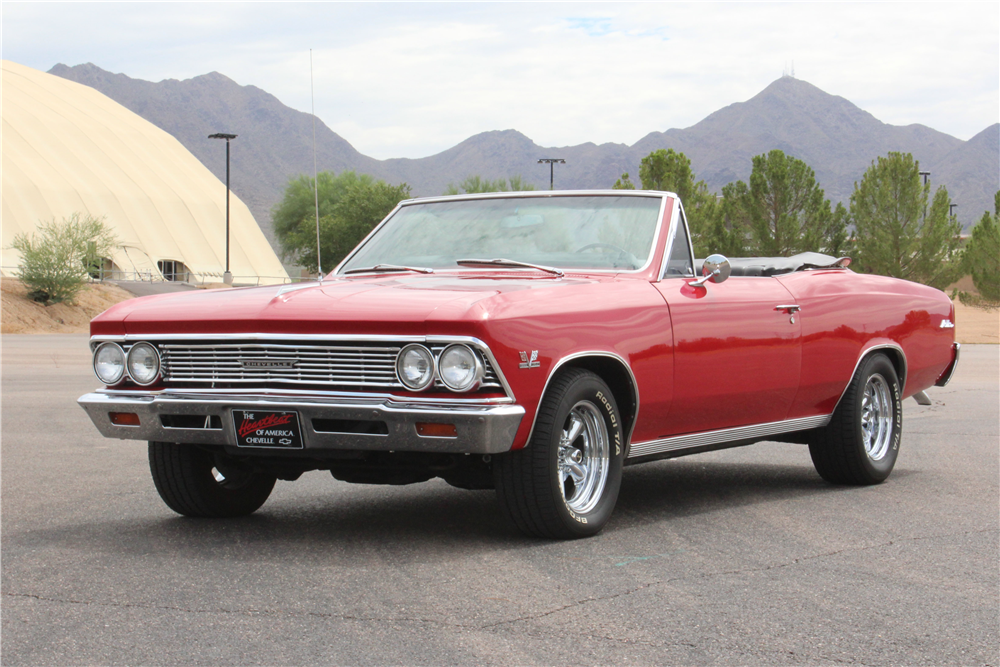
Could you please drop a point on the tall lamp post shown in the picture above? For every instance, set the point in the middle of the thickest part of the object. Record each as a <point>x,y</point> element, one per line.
<point>551,161</point>
<point>227,277</point>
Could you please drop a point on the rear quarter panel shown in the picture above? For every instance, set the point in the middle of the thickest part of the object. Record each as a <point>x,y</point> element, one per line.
<point>845,314</point>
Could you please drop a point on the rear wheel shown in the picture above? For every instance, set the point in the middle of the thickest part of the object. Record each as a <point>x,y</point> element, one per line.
<point>861,443</point>
<point>197,482</point>
<point>565,483</point>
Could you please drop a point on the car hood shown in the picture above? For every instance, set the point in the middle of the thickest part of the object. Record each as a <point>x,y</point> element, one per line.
<point>394,305</point>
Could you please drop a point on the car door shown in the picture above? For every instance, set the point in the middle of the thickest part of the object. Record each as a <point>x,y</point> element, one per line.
<point>737,355</point>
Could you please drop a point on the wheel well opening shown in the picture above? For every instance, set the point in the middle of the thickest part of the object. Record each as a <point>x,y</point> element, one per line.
<point>897,360</point>
<point>618,379</point>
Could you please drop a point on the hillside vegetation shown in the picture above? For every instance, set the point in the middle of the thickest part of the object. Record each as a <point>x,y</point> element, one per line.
<point>835,137</point>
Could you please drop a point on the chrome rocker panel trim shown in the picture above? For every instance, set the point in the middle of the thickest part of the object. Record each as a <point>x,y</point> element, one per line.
<point>482,429</point>
<point>739,433</point>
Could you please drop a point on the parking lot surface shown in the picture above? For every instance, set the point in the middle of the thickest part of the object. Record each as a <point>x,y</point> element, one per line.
<point>742,556</point>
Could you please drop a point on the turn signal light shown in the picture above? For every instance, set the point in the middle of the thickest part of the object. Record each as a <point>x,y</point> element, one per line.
<point>432,430</point>
<point>124,418</point>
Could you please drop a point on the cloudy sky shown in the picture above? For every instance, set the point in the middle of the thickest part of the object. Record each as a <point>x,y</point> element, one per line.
<point>413,79</point>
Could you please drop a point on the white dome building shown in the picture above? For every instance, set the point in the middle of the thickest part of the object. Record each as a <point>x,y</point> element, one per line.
<point>69,149</point>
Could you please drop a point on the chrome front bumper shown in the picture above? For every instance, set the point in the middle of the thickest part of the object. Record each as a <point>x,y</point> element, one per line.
<point>480,429</point>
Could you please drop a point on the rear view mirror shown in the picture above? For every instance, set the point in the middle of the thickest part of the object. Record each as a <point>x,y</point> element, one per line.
<point>515,221</point>
<point>715,268</point>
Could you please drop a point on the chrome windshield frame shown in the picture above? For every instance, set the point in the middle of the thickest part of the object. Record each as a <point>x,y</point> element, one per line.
<point>664,197</point>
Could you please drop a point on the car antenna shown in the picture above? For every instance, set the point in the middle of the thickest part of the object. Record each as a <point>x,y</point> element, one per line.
<point>312,94</point>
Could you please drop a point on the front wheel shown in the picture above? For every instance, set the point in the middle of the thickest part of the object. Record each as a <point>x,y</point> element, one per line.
<point>197,482</point>
<point>565,483</point>
<point>861,443</point>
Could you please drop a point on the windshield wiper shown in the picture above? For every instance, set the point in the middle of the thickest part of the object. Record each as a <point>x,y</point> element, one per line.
<point>507,262</point>
<point>389,267</point>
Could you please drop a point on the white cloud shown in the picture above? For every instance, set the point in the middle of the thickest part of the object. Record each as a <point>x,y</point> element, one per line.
<point>408,80</point>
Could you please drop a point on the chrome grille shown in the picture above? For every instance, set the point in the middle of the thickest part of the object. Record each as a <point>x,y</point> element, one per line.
<point>261,363</point>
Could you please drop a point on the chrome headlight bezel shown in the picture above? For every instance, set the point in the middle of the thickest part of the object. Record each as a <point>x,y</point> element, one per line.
<point>110,347</point>
<point>136,350</point>
<point>470,358</point>
<point>427,378</point>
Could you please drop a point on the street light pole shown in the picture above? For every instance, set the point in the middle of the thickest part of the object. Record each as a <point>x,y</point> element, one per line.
<point>551,161</point>
<point>227,277</point>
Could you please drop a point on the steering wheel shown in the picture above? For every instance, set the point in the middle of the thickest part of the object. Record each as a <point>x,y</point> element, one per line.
<point>631,259</point>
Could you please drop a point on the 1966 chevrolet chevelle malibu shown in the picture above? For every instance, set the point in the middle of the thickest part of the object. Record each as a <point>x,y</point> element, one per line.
<point>534,343</point>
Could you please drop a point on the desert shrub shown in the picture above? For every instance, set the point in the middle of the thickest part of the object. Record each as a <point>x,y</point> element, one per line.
<point>55,258</point>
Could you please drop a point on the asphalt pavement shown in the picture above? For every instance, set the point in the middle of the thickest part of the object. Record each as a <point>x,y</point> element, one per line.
<point>737,557</point>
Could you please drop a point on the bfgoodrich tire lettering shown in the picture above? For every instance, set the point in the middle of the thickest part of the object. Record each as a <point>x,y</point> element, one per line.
<point>861,443</point>
<point>565,483</point>
<point>199,483</point>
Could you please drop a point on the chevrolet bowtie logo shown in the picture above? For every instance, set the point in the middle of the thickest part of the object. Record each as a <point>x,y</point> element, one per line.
<point>531,362</point>
<point>267,363</point>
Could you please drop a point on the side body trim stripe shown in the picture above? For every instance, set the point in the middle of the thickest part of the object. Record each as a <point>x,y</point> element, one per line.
<point>694,440</point>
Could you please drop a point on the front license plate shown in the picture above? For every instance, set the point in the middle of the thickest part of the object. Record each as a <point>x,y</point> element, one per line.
<point>265,428</point>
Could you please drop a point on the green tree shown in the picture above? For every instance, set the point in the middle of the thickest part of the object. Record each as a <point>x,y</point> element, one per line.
<point>726,231</point>
<point>981,259</point>
<point>55,260</point>
<point>783,211</point>
<point>624,183</point>
<point>895,232</point>
<point>670,171</point>
<point>350,205</point>
<point>837,241</point>
<point>477,184</point>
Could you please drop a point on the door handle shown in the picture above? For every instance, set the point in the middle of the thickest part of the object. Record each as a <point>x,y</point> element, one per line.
<point>789,308</point>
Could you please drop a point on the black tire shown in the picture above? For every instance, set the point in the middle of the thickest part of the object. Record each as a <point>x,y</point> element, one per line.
<point>850,450</point>
<point>537,486</point>
<point>185,477</point>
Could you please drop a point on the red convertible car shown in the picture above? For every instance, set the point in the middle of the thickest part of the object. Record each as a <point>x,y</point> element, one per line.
<point>534,343</point>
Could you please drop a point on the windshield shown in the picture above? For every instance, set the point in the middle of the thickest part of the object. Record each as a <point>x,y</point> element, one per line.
<point>578,232</point>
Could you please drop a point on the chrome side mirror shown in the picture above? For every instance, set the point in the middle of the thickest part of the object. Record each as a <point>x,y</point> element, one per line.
<point>715,268</point>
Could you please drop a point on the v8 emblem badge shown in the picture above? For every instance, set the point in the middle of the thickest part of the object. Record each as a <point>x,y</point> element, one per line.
<point>531,362</point>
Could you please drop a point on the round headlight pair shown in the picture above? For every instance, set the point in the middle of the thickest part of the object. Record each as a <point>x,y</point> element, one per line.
<point>142,363</point>
<point>458,367</point>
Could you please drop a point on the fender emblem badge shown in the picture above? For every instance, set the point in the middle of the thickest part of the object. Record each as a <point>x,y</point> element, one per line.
<point>529,363</point>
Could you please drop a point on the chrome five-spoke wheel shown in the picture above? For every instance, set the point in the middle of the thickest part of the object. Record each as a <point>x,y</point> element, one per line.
<point>583,457</point>
<point>564,483</point>
<point>876,417</point>
<point>861,443</point>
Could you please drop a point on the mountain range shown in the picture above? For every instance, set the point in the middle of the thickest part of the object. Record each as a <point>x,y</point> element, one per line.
<point>832,135</point>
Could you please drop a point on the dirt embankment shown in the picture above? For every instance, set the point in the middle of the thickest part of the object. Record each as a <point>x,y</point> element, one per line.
<point>22,315</point>
<point>973,325</point>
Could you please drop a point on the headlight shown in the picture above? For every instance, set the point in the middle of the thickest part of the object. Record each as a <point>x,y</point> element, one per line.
<point>459,368</point>
<point>143,363</point>
<point>415,367</point>
<point>109,363</point>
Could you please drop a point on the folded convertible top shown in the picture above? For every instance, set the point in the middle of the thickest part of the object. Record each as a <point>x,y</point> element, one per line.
<point>772,266</point>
